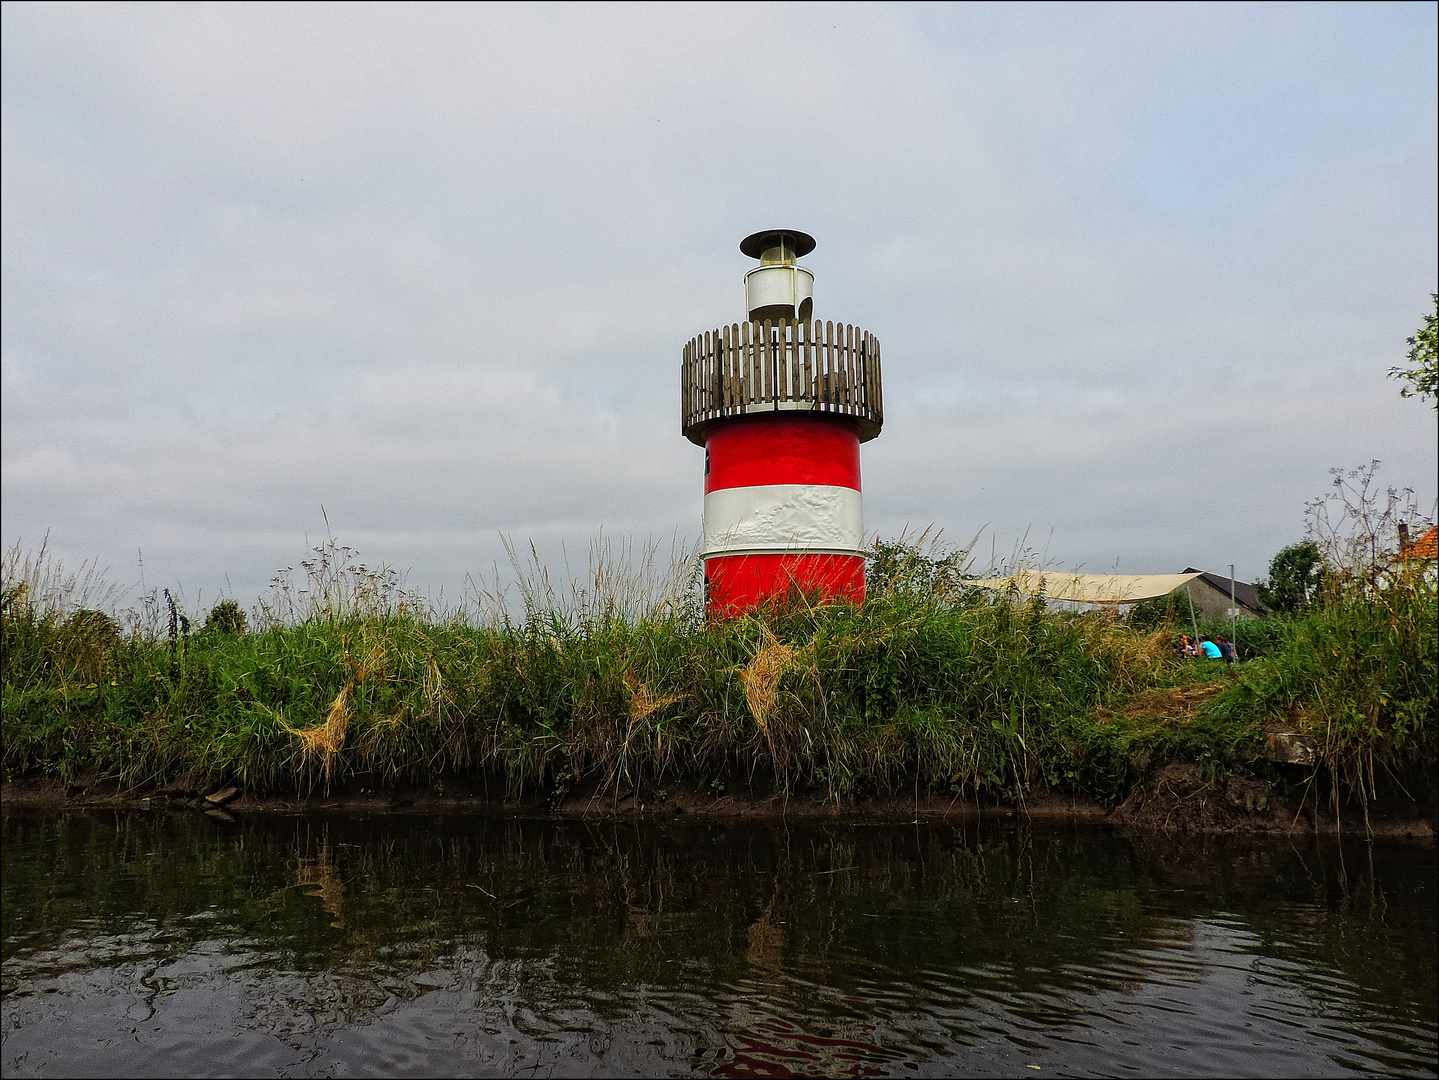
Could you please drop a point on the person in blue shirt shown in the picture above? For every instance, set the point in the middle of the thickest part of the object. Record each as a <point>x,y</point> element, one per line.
<point>1211,650</point>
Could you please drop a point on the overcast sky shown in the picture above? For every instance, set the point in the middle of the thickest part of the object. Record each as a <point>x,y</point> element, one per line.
<point>1138,272</point>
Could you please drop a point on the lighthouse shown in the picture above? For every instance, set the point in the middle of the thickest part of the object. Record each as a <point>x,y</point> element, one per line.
<point>780,403</point>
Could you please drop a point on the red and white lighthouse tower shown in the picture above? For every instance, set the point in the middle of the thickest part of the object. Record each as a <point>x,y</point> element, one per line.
<point>781,403</point>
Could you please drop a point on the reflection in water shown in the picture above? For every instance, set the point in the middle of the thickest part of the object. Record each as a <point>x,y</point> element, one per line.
<point>321,873</point>
<point>766,942</point>
<point>765,1045</point>
<point>179,944</point>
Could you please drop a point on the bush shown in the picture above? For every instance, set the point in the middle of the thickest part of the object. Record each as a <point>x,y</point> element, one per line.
<point>1172,610</point>
<point>1296,576</point>
<point>1359,673</point>
<point>226,617</point>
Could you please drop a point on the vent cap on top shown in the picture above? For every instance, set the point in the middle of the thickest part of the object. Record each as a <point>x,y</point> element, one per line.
<point>778,288</point>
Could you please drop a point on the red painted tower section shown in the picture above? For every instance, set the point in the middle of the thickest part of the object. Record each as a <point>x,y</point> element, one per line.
<point>781,405</point>
<point>770,463</point>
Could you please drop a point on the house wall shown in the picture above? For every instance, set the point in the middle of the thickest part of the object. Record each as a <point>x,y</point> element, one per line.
<point>1212,603</point>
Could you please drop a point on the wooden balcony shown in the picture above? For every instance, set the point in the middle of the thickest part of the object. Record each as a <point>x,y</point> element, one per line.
<point>747,369</point>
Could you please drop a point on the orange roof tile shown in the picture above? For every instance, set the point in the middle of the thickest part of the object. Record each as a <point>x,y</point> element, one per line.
<point>1426,547</point>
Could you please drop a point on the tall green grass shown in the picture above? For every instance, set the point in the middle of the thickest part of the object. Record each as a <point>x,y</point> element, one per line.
<point>346,678</point>
<point>1357,674</point>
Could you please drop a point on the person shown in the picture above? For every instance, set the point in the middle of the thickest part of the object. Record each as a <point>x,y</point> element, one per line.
<point>1187,646</point>
<point>1226,649</point>
<point>1211,650</point>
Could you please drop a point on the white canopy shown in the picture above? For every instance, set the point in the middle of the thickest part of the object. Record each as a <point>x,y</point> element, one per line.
<point>1089,588</point>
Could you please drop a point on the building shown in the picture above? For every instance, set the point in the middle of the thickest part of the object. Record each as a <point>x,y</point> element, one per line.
<point>1210,593</point>
<point>781,403</point>
<point>1426,547</point>
<point>1420,555</point>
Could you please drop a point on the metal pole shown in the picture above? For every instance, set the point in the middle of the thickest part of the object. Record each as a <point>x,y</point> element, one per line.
<point>1233,615</point>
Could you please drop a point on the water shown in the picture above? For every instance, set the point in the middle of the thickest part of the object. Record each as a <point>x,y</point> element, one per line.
<point>174,944</point>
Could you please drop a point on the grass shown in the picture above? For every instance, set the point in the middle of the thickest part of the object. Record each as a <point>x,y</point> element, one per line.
<point>1355,673</point>
<point>345,678</point>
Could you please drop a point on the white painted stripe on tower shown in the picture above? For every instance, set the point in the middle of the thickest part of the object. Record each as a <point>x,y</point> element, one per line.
<point>783,517</point>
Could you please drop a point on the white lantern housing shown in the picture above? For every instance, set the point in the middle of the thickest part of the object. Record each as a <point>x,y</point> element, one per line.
<point>778,288</point>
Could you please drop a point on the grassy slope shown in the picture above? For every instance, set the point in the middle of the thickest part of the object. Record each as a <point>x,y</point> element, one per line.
<point>953,691</point>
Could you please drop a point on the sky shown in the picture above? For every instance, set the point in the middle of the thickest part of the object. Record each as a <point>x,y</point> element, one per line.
<point>424,272</point>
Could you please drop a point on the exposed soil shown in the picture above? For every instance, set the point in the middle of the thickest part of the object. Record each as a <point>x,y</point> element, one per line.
<point>1174,801</point>
<point>591,799</point>
<point>1177,799</point>
<point>675,800</point>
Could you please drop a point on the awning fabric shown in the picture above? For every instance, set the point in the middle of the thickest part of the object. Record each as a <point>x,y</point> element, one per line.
<point>1089,588</point>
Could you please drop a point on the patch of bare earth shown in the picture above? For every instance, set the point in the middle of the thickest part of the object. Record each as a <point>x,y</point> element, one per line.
<point>1174,703</point>
<point>1178,799</point>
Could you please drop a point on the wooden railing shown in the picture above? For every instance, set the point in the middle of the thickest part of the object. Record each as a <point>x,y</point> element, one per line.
<point>759,367</point>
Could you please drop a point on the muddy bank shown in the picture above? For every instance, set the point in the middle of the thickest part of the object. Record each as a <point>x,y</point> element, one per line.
<point>1178,800</point>
<point>1175,801</point>
<point>592,799</point>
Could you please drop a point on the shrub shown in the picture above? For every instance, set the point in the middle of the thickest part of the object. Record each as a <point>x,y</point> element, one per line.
<point>226,617</point>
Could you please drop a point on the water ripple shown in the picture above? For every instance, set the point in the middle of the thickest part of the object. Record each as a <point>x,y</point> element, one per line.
<point>295,949</point>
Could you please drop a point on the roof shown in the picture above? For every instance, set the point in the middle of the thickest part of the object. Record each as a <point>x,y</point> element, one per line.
<point>1089,588</point>
<point>1426,547</point>
<point>1117,588</point>
<point>754,244</point>
<point>1244,593</point>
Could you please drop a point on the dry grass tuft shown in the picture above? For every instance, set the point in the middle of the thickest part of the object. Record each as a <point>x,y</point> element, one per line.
<point>322,742</point>
<point>374,664</point>
<point>433,686</point>
<point>761,678</point>
<point>642,702</point>
<point>1174,704</point>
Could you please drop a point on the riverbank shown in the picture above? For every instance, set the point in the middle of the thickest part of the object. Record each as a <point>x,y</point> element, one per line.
<point>929,692</point>
<point>1175,802</point>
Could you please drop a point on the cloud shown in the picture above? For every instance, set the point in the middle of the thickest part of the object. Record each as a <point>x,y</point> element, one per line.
<point>1138,271</point>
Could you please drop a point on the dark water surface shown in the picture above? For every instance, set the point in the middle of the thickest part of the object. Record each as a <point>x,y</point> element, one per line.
<point>154,944</point>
